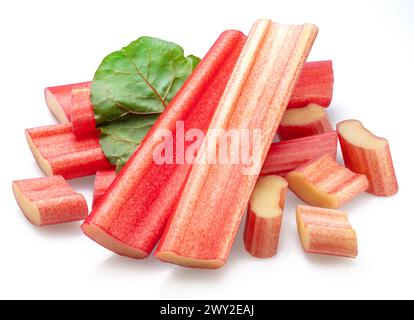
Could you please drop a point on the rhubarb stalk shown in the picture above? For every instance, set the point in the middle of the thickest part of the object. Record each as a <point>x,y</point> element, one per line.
<point>286,156</point>
<point>58,152</point>
<point>207,215</point>
<point>49,200</point>
<point>103,181</point>
<point>368,154</point>
<point>303,122</point>
<point>264,216</point>
<point>131,216</point>
<point>314,86</point>
<point>325,183</point>
<point>58,99</point>
<point>326,231</point>
<point>82,116</point>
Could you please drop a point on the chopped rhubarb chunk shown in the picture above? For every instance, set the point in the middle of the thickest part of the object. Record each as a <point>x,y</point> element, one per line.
<point>58,152</point>
<point>264,216</point>
<point>325,183</point>
<point>370,155</point>
<point>49,200</point>
<point>326,231</point>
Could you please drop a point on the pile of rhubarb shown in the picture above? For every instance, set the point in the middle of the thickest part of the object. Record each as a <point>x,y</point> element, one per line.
<point>190,211</point>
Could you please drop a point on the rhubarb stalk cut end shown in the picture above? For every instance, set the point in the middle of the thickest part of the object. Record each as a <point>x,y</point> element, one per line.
<point>354,132</point>
<point>101,237</point>
<point>266,201</point>
<point>303,122</point>
<point>55,107</point>
<point>41,161</point>
<point>171,257</point>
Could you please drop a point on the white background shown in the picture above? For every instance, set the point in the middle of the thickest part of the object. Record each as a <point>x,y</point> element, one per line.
<point>47,43</point>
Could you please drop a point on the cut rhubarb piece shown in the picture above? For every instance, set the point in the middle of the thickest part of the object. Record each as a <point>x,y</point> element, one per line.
<point>325,183</point>
<point>103,181</point>
<point>49,200</point>
<point>315,85</point>
<point>131,216</point>
<point>58,152</point>
<point>207,216</point>
<point>286,156</point>
<point>326,231</point>
<point>303,122</point>
<point>59,101</point>
<point>82,116</point>
<point>368,154</point>
<point>264,216</point>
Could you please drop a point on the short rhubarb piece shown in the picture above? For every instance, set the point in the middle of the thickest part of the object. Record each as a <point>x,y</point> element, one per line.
<point>326,231</point>
<point>49,200</point>
<point>286,156</point>
<point>315,85</point>
<point>264,216</point>
<point>58,152</point>
<point>59,101</point>
<point>103,181</point>
<point>82,116</point>
<point>130,218</point>
<point>368,154</point>
<point>303,122</point>
<point>325,183</point>
<point>206,217</point>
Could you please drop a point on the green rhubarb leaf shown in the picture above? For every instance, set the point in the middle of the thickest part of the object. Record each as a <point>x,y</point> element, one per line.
<point>131,88</point>
<point>120,139</point>
<point>142,78</point>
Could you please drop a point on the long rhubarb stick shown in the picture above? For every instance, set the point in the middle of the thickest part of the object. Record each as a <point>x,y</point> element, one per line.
<point>202,228</point>
<point>49,200</point>
<point>103,181</point>
<point>264,216</point>
<point>326,231</point>
<point>368,154</point>
<point>58,152</point>
<point>314,86</point>
<point>303,122</point>
<point>286,156</point>
<point>82,116</point>
<point>131,216</point>
<point>58,99</point>
<point>325,183</point>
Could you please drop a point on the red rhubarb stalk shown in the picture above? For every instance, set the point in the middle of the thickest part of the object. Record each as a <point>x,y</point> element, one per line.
<point>131,216</point>
<point>103,181</point>
<point>314,86</point>
<point>59,101</point>
<point>205,220</point>
<point>326,231</point>
<point>82,116</point>
<point>58,152</point>
<point>264,216</point>
<point>323,182</point>
<point>286,156</point>
<point>368,154</point>
<point>49,200</point>
<point>303,122</point>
